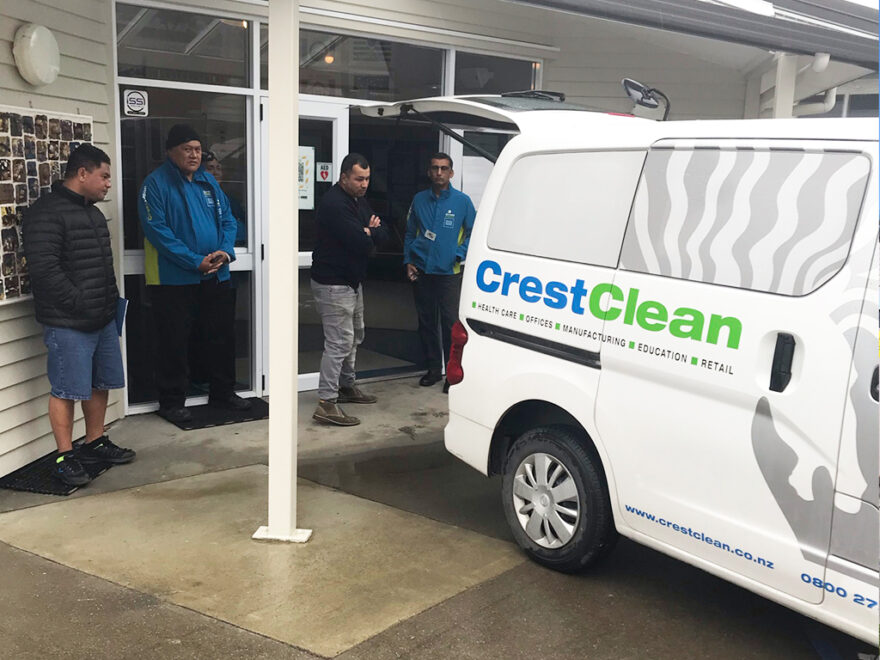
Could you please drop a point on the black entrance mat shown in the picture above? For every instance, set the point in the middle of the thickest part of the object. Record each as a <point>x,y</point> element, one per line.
<point>36,476</point>
<point>205,416</point>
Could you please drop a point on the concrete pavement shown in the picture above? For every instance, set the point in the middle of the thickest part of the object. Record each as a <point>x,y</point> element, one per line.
<point>411,558</point>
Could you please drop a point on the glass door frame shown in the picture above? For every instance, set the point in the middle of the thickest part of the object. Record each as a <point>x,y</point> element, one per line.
<point>321,108</point>
<point>247,258</point>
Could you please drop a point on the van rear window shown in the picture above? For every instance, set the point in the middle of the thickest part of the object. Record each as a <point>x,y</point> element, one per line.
<point>567,206</point>
<point>779,221</point>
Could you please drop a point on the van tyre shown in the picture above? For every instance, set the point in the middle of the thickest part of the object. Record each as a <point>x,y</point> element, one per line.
<point>556,500</point>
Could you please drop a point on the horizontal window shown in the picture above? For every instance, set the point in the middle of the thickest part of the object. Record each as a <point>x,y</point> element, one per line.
<point>570,206</point>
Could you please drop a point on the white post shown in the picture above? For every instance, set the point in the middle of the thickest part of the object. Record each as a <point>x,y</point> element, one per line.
<point>283,267</point>
<point>786,79</point>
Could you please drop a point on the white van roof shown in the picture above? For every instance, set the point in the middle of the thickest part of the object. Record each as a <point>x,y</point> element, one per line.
<point>554,122</point>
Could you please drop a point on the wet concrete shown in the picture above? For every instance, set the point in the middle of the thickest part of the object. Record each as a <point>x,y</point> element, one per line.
<point>51,611</point>
<point>639,603</point>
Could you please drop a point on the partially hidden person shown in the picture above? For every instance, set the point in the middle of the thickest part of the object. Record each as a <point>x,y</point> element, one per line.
<point>438,230</point>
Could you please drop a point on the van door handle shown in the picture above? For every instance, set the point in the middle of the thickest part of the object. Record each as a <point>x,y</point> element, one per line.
<point>874,384</point>
<point>780,373</point>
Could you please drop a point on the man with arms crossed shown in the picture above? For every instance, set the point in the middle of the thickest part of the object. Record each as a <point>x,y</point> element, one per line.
<point>347,234</point>
<point>67,245</point>
<point>438,229</point>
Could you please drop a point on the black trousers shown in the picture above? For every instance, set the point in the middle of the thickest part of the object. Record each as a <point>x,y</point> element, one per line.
<point>207,309</point>
<point>436,298</point>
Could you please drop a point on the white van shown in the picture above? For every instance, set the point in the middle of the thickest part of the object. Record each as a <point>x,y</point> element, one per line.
<point>669,331</point>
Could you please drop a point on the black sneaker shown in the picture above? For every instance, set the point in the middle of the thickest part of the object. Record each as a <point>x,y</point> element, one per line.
<point>176,415</point>
<point>104,451</point>
<point>430,378</point>
<point>68,470</point>
<point>231,402</point>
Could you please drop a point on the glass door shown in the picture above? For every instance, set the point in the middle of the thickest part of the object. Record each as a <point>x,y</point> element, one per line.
<point>323,131</point>
<point>223,123</point>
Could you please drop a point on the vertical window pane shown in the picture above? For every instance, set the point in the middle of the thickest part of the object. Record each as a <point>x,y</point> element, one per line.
<point>160,44</point>
<point>318,134</point>
<point>264,56</point>
<point>220,121</point>
<point>485,74</point>
<point>357,67</point>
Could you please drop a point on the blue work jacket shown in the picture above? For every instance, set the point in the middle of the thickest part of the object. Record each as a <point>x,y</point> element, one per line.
<point>183,221</point>
<point>449,218</point>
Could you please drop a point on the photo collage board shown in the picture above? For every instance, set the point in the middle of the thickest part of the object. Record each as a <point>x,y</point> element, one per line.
<point>34,148</point>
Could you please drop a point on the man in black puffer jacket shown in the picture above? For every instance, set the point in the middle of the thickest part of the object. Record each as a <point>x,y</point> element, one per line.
<point>67,245</point>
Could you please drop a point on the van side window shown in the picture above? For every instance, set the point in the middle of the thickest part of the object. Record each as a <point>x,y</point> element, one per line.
<point>569,206</point>
<point>773,220</point>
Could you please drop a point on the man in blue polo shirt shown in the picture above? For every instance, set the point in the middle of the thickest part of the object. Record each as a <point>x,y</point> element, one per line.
<point>438,228</point>
<point>189,241</point>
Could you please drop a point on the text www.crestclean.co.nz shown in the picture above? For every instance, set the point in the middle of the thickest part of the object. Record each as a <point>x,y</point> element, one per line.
<point>699,536</point>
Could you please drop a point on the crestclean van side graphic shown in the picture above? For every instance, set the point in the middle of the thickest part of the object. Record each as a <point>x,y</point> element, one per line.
<point>607,302</point>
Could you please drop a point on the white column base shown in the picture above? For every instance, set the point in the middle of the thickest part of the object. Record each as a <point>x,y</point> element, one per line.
<point>298,536</point>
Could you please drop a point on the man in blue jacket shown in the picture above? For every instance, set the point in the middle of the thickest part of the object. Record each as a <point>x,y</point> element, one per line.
<point>438,229</point>
<point>189,238</point>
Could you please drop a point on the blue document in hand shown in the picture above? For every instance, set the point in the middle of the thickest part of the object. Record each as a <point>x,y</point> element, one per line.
<point>121,307</point>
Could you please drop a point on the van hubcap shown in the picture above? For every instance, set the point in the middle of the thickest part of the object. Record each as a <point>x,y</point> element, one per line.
<point>546,500</point>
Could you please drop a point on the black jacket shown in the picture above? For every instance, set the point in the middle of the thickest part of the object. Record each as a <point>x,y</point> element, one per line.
<point>67,245</point>
<point>342,247</point>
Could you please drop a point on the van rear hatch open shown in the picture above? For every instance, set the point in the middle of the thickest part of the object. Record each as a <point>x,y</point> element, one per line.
<point>451,115</point>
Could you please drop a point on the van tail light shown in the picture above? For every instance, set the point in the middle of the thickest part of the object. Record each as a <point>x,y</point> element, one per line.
<point>454,372</point>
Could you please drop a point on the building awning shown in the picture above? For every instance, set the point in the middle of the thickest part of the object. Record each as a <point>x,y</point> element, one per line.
<point>845,29</point>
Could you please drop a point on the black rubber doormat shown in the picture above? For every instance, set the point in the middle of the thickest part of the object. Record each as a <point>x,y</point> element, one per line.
<point>36,476</point>
<point>205,416</point>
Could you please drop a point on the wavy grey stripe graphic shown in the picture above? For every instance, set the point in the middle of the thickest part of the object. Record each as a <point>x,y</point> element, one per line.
<point>823,265</point>
<point>729,271</point>
<point>761,221</point>
<point>678,207</point>
<point>700,169</point>
<point>831,223</point>
<point>786,220</point>
<point>726,162</point>
<point>659,208</point>
<point>772,220</point>
<point>726,196</point>
<point>810,520</point>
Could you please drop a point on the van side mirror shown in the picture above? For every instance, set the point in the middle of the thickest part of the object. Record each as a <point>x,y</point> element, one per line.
<point>645,96</point>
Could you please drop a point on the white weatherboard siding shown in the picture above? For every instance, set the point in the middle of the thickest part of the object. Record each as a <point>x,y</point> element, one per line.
<point>85,86</point>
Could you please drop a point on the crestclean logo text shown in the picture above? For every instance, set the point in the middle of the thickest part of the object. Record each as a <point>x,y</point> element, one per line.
<point>608,302</point>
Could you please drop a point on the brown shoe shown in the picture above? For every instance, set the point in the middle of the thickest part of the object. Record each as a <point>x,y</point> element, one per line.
<point>329,413</point>
<point>354,395</point>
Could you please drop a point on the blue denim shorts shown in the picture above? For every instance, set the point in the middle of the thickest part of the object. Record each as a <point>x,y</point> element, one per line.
<point>82,361</point>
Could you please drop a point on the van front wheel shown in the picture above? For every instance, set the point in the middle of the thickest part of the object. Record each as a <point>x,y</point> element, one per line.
<point>556,501</point>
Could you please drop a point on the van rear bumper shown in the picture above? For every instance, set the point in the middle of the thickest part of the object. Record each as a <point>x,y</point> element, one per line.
<point>468,441</point>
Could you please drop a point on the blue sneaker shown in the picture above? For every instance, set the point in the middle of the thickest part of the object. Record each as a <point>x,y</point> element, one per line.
<point>70,471</point>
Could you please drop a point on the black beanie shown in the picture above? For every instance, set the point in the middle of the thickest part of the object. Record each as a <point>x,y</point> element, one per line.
<point>179,134</point>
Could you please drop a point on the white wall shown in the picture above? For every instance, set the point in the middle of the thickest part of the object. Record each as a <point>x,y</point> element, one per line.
<point>85,86</point>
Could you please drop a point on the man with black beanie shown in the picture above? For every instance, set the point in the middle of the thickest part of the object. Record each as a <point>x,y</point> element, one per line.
<point>189,238</point>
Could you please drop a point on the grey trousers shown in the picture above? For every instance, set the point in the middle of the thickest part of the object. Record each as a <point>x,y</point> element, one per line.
<point>342,316</point>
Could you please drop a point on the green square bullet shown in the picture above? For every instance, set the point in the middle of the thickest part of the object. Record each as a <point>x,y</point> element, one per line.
<point>693,360</point>
<point>557,326</point>
<point>632,344</point>
<point>520,317</point>
<point>473,304</point>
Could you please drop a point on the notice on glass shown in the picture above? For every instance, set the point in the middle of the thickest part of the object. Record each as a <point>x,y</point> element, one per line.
<point>306,178</point>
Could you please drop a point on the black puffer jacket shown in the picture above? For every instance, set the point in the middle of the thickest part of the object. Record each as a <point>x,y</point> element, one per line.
<point>67,245</point>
